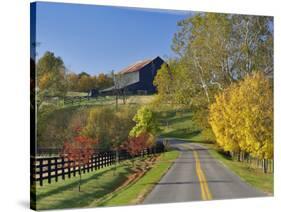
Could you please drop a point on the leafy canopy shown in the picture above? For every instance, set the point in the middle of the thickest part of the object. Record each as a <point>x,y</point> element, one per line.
<point>242,117</point>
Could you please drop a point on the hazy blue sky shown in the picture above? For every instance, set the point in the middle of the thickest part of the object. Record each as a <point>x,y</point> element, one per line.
<point>99,39</point>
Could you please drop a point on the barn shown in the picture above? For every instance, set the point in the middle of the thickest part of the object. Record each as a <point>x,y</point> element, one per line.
<point>136,78</point>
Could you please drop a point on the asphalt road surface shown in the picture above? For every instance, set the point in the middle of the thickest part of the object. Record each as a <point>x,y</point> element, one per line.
<point>196,175</point>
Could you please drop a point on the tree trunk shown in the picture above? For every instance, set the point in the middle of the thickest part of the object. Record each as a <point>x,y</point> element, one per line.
<point>264,166</point>
<point>238,156</point>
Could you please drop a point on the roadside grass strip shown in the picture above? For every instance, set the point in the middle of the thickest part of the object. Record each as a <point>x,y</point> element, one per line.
<point>135,192</point>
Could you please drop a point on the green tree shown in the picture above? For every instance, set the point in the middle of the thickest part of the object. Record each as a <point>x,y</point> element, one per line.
<point>82,74</point>
<point>173,84</point>
<point>145,122</point>
<point>51,76</point>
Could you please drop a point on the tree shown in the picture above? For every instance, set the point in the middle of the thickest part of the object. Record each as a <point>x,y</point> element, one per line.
<point>111,128</point>
<point>104,81</point>
<point>145,123</point>
<point>122,124</point>
<point>136,144</point>
<point>173,84</point>
<point>51,76</point>
<point>214,51</point>
<point>245,122</point>
<point>82,74</point>
<point>100,126</point>
<point>72,80</point>
<point>223,117</point>
<point>85,83</point>
<point>79,151</point>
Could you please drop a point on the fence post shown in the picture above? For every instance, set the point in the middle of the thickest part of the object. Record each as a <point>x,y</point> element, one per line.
<point>95,161</point>
<point>62,165</point>
<point>102,160</point>
<point>92,162</point>
<point>33,170</point>
<point>88,167</point>
<point>74,166</point>
<point>56,169</point>
<point>41,172</point>
<point>84,168</point>
<point>69,168</point>
<point>49,170</point>
<point>98,161</point>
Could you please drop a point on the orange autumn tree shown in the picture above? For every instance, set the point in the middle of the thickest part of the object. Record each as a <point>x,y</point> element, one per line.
<point>79,151</point>
<point>134,145</point>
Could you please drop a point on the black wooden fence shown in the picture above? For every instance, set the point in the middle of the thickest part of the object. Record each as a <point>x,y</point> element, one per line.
<point>53,168</point>
<point>76,99</point>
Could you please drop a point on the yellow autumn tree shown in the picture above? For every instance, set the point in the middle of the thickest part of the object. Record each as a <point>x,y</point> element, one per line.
<point>221,120</point>
<point>242,117</point>
<point>257,113</point>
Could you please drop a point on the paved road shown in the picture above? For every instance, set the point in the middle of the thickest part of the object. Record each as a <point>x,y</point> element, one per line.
<point>196,175</point>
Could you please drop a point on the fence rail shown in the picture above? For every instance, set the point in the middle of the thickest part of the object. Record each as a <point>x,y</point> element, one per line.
<point>76,99</point>
<point>51,168</point>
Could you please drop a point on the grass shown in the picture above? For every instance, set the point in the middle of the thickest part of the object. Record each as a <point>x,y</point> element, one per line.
<point>101,101</point>
<point>74,93</point>
<point>100,187</point>
<point>254,177</point>
<point>64,194</point>
<point>95,185</point>
<point>177,124</point>
<point>136,192</point>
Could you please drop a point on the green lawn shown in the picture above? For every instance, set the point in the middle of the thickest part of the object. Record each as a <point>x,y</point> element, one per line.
<point>74,93</point>
<point>64,194</point>
<point>95,185</point>
<point>101,187</point>
<point>177,124</point>
<point>106,100</point>
<point>135,193</point>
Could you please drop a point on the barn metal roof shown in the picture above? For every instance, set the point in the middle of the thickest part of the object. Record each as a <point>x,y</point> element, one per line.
<point>135,67</point>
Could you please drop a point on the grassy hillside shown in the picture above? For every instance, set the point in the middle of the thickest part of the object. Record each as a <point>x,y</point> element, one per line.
<point>177,124</point>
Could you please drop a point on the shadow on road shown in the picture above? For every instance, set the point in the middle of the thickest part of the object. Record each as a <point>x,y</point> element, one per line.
<point>193,182</point>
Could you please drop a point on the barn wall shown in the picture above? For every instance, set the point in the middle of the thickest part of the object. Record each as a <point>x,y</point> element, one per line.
<point>147,75</point>
<point>129,78</point>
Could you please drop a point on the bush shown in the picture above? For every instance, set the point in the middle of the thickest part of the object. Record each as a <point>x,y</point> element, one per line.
<point>111,128</point>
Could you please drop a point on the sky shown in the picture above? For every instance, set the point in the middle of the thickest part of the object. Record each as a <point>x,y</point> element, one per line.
<point>99,39</point>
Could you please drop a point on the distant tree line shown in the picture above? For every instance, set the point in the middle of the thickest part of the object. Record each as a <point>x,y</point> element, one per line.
<point>53,79</point>
<point>84,82</point>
